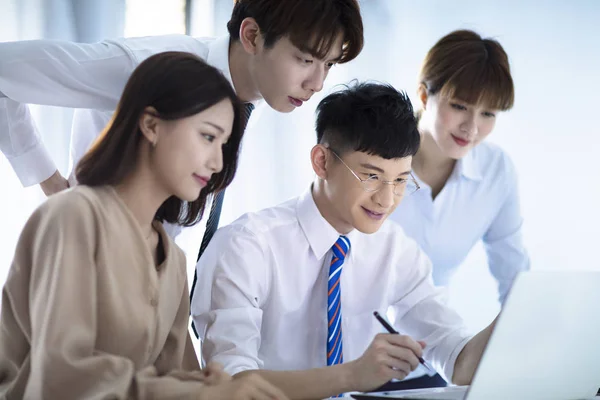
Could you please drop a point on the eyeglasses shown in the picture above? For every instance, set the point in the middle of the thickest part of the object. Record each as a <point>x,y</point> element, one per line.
<point>402,186</point>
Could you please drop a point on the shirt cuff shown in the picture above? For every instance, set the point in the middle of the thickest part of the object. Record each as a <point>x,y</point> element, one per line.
<point>448,370</point>
<point>33,166</point>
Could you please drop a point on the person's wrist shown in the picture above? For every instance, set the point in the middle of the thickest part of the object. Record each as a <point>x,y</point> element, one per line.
<point>349,377</point>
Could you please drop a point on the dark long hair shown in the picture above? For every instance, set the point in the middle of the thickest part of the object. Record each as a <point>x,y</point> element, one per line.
<point>177,85</point>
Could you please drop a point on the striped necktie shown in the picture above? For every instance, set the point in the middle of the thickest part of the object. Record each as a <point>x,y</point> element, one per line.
<point>215,212</point>
<point>335,352</point>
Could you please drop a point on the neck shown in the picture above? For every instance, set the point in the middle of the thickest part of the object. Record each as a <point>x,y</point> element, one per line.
<point>241,74</point>
<point>328,209</point>
<point>141,194</point>
<point>430,160</point>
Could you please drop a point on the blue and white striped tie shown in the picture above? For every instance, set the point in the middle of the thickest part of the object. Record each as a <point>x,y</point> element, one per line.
<point>335,352</point>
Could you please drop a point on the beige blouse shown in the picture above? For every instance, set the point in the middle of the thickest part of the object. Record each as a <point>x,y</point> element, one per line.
<point>85,312</point>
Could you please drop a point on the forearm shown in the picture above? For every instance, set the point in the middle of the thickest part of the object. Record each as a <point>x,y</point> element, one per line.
<point>468,359</point>
<point>64,74</point>
<point>316,383</point>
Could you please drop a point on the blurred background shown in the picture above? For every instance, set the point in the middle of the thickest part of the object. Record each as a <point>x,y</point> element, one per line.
<point>551,133</point>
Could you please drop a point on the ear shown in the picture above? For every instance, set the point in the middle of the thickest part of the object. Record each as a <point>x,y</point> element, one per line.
<point>149,125</point>
<point>319,156</point>
<point>250,35</point>
<point>423,95</point>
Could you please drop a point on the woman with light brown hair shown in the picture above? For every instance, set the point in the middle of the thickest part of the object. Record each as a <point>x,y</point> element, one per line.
<point>469,190</point>
<point>96,302</point>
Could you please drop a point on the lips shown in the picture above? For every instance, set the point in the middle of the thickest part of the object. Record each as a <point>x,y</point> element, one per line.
<point>295,102</point>
<point>202,180</point>
<point>461,142</point>
<point>373,215</point>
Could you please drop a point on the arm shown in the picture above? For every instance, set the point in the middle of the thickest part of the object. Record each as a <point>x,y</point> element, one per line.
<point>233,283</point>
<point>422,312</point>
<point>53,73</point>
<point>468,359</point>
<point>61,244</point>
<point>503,240</point>
<point>388,357</point>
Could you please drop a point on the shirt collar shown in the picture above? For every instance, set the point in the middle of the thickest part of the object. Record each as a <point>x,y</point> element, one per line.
<point>468,167</point>
<point>320,235</point>
<point>218,57</point>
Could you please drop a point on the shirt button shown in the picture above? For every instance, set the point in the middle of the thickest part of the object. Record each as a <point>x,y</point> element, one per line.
<point>153,301</point>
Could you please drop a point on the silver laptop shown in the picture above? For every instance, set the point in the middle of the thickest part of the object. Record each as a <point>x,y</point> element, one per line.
<point>546,344</point>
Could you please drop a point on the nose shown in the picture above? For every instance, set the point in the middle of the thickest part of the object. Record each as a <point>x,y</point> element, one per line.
<point>215,159</point>
<point>385,196</point>
<point>469,126</point>
<point>315,80</point>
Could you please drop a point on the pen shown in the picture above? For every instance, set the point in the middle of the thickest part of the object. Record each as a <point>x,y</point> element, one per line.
<point>389,328</point>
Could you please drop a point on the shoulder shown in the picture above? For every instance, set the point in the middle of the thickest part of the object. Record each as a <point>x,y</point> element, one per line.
<point>76,203</point>
<point>493,162</point>
<point>141,48</point>
<point>262,226</point>
<point>71,216</point>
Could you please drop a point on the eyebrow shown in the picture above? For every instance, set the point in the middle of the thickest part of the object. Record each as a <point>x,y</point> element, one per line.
<point>377,169</point>
<point>217,127</point>
<point>311,52</point>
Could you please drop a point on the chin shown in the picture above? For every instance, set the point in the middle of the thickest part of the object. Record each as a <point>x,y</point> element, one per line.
<point>189,196</point>
<point>282,106</point>
<point>367,228</point>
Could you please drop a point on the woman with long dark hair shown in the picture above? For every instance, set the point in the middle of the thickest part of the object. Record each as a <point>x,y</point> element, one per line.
<point>96,302</point>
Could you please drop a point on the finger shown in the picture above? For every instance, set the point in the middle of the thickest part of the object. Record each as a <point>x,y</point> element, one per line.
<point>422,343</point>
<point>216,378</point>
<point>406,341</point>
<point>214,366</point>
<point>219,373</point>
<point>398,374</point>
<point>398,365</point>
<point>224,376</point>
<point>403,354</point>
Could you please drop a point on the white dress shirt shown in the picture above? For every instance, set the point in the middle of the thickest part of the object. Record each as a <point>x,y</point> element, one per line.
<point>480,201</point>
<point>88,76</point>
<point>261,297</point>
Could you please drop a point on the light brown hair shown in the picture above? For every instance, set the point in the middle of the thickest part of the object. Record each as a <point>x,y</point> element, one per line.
<point>465,66</point>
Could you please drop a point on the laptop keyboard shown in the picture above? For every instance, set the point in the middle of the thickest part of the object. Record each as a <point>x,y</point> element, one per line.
<point>450,393</point>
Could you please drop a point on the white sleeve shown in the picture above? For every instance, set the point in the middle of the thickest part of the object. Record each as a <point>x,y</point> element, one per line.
<point>226,308</point>
<point>58,74</point>
<point>21,144</point>
<point>506,252</point>
<point>422,313</point>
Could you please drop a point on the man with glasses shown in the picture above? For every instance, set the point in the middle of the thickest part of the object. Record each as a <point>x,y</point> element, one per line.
<point>289,292</point>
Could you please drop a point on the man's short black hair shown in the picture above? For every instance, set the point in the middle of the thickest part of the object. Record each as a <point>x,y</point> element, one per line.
<point>369,117</point>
